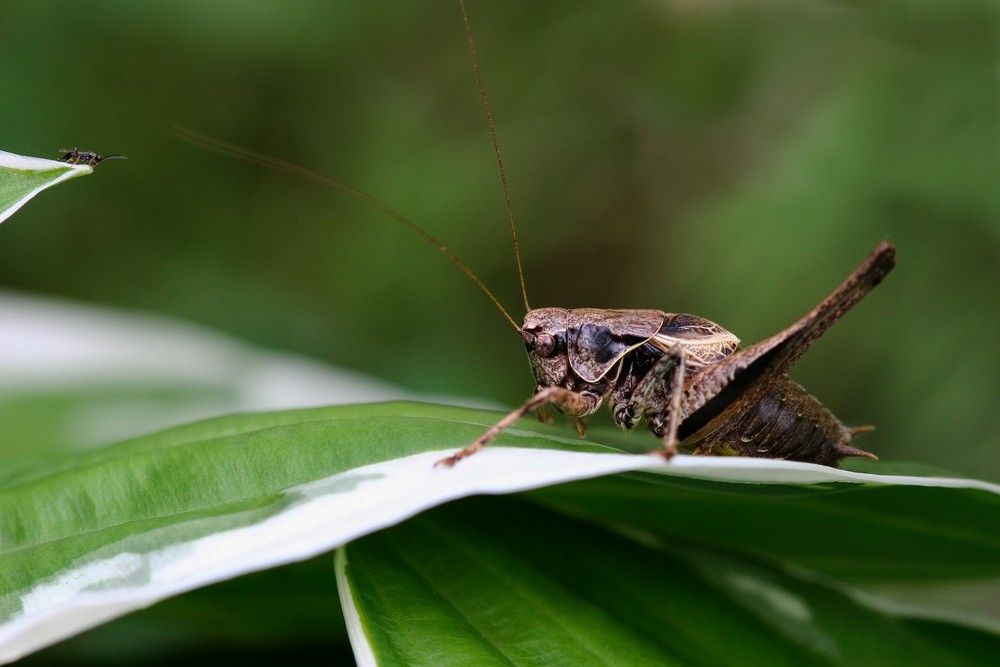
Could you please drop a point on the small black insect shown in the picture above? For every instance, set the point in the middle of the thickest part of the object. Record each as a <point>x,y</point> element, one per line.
<point>89,158</point>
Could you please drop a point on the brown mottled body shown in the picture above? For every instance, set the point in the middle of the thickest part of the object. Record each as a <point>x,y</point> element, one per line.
<point>687,379</point>
<point>786,423</point>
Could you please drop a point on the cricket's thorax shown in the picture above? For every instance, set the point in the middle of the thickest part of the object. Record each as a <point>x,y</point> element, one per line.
<point>596,351</point>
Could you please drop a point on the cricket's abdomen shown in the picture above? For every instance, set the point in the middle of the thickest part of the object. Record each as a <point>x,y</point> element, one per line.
<point>786,423</point>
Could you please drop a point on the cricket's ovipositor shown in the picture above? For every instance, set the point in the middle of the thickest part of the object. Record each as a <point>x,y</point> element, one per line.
<point>682,375</point>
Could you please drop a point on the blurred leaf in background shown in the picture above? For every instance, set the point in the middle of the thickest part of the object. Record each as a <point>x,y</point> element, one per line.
<point>733,160</point>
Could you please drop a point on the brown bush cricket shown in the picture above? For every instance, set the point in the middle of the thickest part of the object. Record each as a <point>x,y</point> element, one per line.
<point>685,376</point>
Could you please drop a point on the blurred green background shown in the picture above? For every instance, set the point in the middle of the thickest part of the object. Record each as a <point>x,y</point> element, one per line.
<point>728,159</point>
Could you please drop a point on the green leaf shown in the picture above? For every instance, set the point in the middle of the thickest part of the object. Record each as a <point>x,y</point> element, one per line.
<point>76,376</point>
<point>912,528</point>
<point>502,582</point>
<point>89,536</point>
<point>21,178</point>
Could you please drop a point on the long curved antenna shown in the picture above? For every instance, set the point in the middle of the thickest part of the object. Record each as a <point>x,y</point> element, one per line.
<point>496,149</point>
<point>289,168</point>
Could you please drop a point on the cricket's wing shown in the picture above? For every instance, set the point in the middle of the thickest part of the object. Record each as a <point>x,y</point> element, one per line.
<point>705,343</point>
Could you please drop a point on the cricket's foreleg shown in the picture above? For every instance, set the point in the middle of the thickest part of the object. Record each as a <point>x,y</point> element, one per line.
<point>664,418</point>
<point>568,402</point>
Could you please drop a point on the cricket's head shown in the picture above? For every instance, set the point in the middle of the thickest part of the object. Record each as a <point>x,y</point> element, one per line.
<point>544,334</point>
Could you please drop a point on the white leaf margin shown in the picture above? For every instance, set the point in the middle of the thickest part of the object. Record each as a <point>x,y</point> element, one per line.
<point>62,171</point>
<point>317,517</point>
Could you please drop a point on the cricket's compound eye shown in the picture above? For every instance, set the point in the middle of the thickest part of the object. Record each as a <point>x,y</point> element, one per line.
<point>545,344</point>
